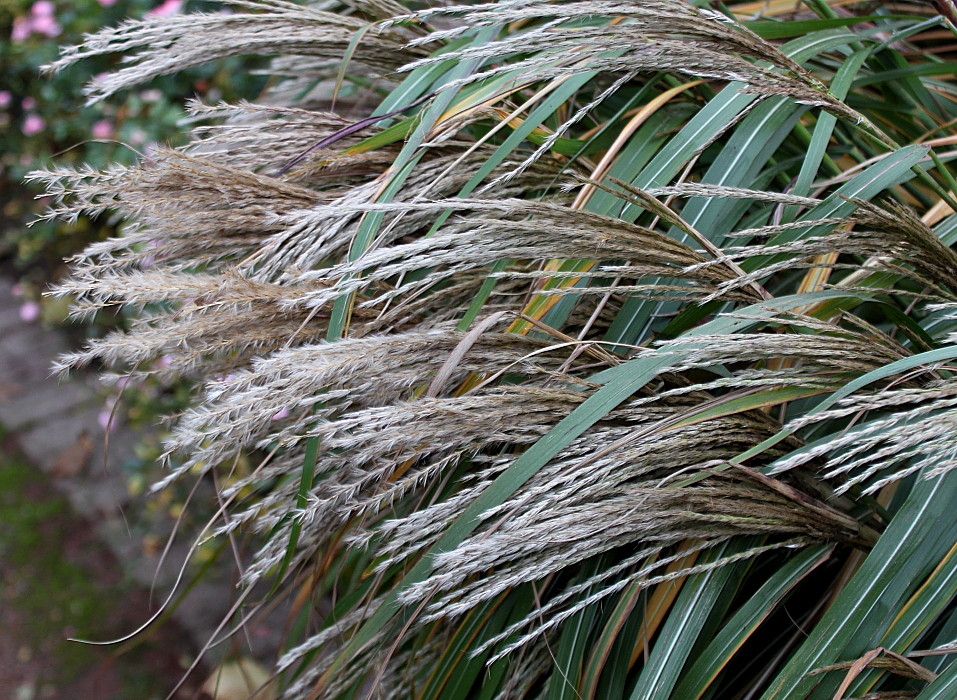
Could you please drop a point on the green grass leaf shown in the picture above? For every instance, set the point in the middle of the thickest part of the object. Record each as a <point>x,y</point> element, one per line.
<point>739,627</point>
<point>913,543</point>
<point>687,617</point>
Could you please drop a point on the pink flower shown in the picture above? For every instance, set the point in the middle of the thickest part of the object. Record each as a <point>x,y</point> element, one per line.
<point>42,8</point>
<point>28,103</point>
<point>33,124</point>
<point>123,382</point>
<point>166,9</point>
<point>102,129</point>
<point>280,414</point>
<point>29,311</point>
<point>106,419</point>
<point>5,98</point>
<point>137,137</point>
<point>149,260</point>
<point>22,28</point>
<point>46,24</point>
<point>107,3</point>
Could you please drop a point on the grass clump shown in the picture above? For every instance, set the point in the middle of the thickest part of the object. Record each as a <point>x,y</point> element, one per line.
<point>577,338</point>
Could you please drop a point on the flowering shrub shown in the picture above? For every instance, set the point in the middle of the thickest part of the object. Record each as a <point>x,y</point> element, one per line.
<point>45,116</point>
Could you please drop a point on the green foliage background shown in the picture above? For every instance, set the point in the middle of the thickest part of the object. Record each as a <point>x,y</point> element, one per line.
<point>141,119</point>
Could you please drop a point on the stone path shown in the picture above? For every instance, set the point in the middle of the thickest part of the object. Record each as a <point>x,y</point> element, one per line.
<point>57,580</point>
<point>55,421</point>
<point>55,424</point>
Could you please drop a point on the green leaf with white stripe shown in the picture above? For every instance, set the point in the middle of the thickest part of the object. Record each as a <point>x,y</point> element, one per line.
<point>914,542</point>
<point>740,626</point>
<point>685,620</point>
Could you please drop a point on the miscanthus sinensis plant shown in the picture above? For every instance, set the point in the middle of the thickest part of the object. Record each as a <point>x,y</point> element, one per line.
<point>589,349</point>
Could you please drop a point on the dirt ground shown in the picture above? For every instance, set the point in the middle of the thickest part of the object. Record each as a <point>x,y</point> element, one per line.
<point>58,581</point>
